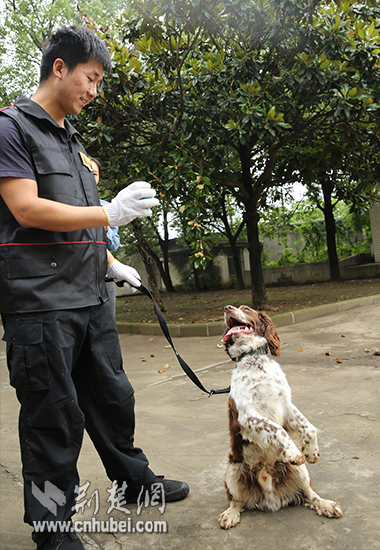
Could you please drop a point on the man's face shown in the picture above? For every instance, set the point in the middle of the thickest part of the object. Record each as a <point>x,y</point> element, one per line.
<point>80,86</point>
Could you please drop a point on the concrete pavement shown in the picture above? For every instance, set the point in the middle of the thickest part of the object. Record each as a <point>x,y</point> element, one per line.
<point>185,435</point>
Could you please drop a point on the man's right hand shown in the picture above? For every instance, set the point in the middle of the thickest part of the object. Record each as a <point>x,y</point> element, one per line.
<point>134,201</point>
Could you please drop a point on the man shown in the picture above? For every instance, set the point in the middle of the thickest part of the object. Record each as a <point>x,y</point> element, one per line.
<point>62,345</point>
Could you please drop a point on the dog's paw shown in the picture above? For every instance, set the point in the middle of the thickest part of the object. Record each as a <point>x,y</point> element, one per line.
<point>229,518</point>
<point>298,459</point>
<point>312,454</point>
<point>312,459</point>
<point>295,458</point>
<point>327,508</point>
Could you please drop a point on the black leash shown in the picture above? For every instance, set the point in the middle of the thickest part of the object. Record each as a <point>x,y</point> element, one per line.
<point>165,329</point>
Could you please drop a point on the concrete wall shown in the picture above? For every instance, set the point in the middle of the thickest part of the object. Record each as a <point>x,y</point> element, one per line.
<point>374,214</point>
<point>274,250</point>
<point>277,276</point>
<point>312,273</point>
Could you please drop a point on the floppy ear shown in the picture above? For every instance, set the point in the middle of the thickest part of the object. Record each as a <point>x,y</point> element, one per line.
<point>270,333</point>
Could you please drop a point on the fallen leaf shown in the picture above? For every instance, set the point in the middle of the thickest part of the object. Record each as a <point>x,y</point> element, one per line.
<point>219,345</point>
<point>180,318</point>
<point>166,367</point>
<point>300,350</point>
<point>152,354</point>
<point>142,357</point>
<point>343,336</point>
<point>327,353</point>
<point>143,360</point>
<point>377,352</point>
<point>168,347</point>
<point>150,339</point>
<point>367,350</point>
<point>339,360</point>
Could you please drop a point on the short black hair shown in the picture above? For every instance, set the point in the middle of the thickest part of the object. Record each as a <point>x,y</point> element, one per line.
<point>74,45</point>
<point>98,164</point>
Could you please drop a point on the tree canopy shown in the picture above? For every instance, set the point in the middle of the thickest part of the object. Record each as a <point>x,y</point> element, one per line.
<point>206,94</point>
<point>210,99</point>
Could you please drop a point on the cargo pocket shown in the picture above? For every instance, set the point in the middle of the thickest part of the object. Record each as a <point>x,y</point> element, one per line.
<point>26,355</point>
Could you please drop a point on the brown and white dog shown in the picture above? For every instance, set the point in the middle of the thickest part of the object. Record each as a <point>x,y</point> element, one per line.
<point>270,438</point>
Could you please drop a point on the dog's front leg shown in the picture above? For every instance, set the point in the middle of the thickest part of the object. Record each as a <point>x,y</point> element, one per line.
<point>265,432</point>
<point>231,517</point>
<point>299,428</point>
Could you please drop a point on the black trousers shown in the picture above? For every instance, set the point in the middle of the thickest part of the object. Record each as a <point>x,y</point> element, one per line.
<point>67,369</point>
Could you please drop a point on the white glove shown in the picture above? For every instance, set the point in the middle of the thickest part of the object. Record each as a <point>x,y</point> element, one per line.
<point>135,200</point>
<point>120,272</point>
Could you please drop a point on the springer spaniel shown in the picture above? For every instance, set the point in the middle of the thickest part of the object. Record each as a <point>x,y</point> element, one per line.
<point>270,438</point>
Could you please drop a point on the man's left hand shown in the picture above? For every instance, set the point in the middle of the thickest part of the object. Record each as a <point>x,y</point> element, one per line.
<point>120,272</point>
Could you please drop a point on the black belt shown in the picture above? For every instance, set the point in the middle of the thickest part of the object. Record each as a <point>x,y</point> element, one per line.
<point>165,329</point>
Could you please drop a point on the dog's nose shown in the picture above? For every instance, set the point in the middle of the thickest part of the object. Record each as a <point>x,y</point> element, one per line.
<point>228,308</point>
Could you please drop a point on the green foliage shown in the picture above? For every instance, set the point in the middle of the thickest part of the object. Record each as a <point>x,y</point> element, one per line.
<point>25,26</point>
<point>206,95</point>
<point>312,231</point>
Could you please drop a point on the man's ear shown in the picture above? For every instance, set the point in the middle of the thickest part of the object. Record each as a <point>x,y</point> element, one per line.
<point>59,68</point>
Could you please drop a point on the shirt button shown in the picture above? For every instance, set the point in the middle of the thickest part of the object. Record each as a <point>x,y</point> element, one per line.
<point>53,265</point>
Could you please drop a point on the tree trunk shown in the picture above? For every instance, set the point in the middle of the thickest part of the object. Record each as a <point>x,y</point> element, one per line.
<point>142,246</point>
<point>232,239</point>
<point>328,211</point>
<point>166,277</point>
<point>197,285</point>
<point>164,272</point>
<point>164,267</point>
<point>251,218</point>
<point>259,295</point>
<point>237,264</point>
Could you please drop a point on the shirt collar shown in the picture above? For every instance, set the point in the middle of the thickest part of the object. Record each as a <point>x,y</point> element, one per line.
<point>32,108</point>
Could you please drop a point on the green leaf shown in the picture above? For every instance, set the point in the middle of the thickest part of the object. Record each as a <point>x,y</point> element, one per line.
<point>337,22</point>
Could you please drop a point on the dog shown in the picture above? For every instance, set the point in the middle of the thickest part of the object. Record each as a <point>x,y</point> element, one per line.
<point>270,437</point>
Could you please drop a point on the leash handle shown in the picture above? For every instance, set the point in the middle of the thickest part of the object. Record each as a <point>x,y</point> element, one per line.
<point>165,329</point>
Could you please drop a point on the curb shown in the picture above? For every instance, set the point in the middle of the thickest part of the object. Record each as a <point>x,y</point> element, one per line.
<point>280,320</point>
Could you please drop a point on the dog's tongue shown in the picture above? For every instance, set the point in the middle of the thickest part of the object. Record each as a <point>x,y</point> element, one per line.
<point>233,330</point>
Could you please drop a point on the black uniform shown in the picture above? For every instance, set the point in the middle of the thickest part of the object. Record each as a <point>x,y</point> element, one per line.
<point>63,349</point>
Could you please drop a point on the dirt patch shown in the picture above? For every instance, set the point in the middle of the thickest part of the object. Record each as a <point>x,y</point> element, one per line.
<point>208,306</point>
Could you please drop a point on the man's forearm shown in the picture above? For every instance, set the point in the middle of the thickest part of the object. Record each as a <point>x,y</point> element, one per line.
<point>56,216</point>
<point>32,211</point>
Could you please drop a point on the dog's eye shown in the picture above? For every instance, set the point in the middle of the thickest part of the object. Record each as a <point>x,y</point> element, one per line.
<point>246,309</point>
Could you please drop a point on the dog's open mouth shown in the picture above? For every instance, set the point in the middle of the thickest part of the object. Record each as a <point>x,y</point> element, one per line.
<point>237,329</point>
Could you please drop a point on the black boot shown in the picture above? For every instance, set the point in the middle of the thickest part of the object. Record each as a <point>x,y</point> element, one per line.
<point>173,490</point>
<point>57,541</point>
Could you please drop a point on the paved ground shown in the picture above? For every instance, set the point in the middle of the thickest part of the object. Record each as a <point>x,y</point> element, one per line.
<point>184,433</point>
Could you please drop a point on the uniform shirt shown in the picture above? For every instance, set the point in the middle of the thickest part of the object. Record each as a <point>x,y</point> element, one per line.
<point>15,158</point>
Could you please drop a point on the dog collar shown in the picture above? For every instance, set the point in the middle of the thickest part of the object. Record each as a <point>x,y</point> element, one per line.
<point>264,350</point>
